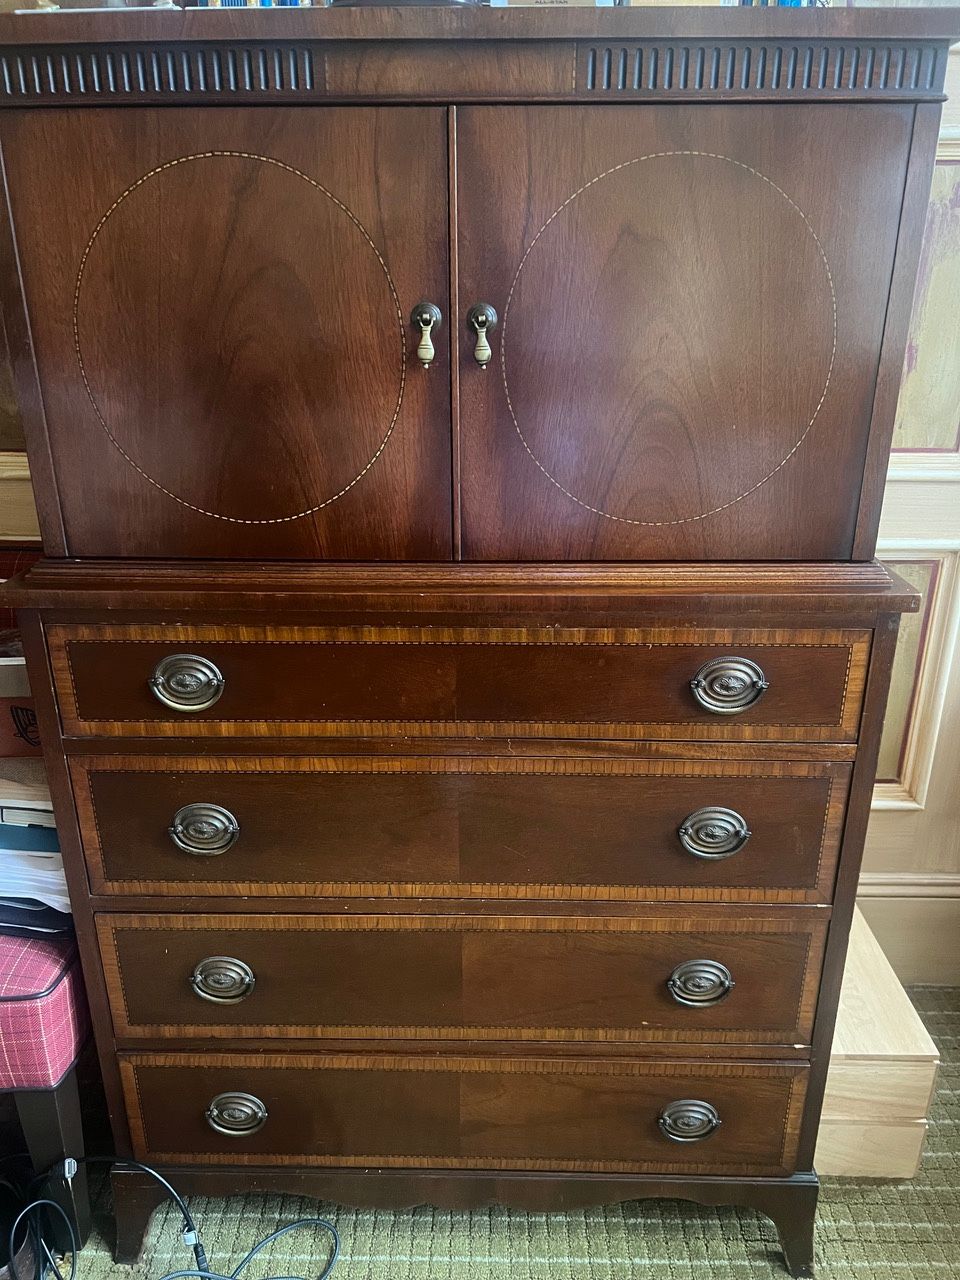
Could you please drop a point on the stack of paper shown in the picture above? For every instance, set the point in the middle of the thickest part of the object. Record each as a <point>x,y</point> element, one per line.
<point>31,869</point>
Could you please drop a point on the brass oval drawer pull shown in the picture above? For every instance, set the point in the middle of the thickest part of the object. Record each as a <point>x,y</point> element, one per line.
<point>713,832</point>
<point>688,1120</point>
<point>222,980</point>
<point>186,682</point>
<point>699,983</point>
<point>204,829</point>
<point>727,686</point>
<point>236,1114</point>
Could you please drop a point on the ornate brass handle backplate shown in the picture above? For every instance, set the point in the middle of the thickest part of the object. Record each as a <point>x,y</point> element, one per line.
<point>727,686</point>
<point>186,682</point>
<point>236,1114</point>
<point>688,1120</point>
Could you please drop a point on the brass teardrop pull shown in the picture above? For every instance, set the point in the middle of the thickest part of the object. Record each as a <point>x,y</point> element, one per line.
<point>482,320</point>
<point>426,317</point>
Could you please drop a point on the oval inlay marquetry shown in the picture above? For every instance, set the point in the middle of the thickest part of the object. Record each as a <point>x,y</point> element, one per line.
<point>227,305</point>
<point>724,366</point>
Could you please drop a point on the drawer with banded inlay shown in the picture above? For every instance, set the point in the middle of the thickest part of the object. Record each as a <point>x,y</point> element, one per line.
<point>715,975</point>
<point>464,1112</point>
<point>131,679</point>
<point>450,826</point>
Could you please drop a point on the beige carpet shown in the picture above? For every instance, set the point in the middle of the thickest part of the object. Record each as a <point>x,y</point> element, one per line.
<point>867,1230</point>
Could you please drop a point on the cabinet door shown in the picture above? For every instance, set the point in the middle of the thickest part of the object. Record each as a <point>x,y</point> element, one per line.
<point>220,305</point>
<point>691,301</point>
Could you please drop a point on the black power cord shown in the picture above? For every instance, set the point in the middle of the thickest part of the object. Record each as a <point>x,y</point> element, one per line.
<point>34,1210</point>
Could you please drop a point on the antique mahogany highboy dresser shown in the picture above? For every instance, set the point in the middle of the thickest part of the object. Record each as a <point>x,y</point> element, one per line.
<point>459,440</point>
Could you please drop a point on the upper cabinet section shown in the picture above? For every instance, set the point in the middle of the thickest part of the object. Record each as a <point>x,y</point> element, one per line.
<point>692,248</point>
<point>691,304</point>
<point>220,308</point>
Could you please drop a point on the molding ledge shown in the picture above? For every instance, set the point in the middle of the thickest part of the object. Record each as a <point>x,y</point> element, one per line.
<point>924,468</point>
<point>18,512</point>
<point>934,675</point>
<point>909,884</point>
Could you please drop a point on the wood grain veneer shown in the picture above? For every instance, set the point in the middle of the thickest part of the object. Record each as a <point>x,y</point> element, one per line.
<point>485,24</point>
<point>311,274</point>
<point>435,681</point>
<point>591,439</point>
<point>441,826</point>
<point>423,977</point>
<point>503,1113</point>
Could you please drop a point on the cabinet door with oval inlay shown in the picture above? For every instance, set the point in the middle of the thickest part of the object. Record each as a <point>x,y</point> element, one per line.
<point>222,309</point>
<point>680,319</point>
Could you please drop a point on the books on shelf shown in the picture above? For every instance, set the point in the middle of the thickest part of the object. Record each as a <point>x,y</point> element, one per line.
<point>23,785</point>
<point>22,816</point>
<point>37,841</point>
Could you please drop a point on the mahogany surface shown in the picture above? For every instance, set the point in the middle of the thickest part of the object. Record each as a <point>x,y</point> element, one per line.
<point>688,338</point>
<point>423,977</point>
<point>600,593</point>
<point>484,24</point>
<point>451,1112</point>
<point>434,681</point>
<point>460,759</point>
<point>180,354</point>
<point>440,826</point>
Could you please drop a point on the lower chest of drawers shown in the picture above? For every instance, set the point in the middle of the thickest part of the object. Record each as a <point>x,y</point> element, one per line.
<point>513,898</point>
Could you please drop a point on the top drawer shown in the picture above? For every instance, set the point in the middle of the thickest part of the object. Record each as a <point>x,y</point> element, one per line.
<point>121,680</point>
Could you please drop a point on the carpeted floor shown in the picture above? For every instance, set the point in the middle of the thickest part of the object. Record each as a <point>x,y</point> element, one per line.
<point>867,1230</point>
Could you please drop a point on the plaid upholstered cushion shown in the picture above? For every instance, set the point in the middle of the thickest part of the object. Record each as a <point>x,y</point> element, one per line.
<point>43,1011</point>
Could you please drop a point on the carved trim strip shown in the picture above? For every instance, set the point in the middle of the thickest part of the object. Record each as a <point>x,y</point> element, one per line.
<point>73,75</point>
<point>789,69</point>
<point>285,71</point>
